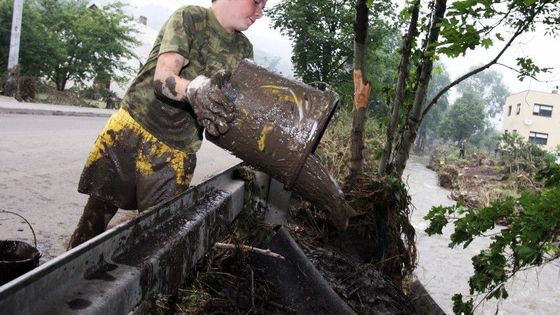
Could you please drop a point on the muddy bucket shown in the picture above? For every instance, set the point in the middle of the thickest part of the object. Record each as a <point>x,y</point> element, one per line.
<point>279,121</point>
<point>17,257</point>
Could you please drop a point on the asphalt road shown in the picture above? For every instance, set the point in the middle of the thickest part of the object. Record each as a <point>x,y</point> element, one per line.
<point>41,159</point>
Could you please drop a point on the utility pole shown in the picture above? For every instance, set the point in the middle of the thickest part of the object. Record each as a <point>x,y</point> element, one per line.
<point>13,59</point>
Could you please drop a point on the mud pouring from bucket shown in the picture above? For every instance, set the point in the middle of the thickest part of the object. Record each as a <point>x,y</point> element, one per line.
<point>278,125</point>
<point>17,257</point>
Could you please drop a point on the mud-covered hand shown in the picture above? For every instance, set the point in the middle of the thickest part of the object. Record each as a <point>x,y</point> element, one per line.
<point>213,109</point>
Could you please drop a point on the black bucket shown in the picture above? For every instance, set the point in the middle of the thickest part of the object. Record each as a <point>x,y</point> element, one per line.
<point>17,257</point>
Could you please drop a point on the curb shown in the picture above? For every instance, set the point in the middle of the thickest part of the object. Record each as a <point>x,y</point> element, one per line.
<point>28,111</point>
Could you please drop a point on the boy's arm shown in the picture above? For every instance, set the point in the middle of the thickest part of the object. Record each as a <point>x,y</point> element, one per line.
<point>213,109</point>
<point>167,81</point>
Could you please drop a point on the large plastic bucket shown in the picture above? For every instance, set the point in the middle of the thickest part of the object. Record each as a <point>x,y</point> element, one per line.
<point>279,121</point>
<point>17,257</point>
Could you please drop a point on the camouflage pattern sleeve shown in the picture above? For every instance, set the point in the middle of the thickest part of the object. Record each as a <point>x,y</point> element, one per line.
<point>177,33</point>
<point>195,33</point>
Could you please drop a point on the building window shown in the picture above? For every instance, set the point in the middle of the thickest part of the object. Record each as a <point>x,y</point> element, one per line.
<point>509,110</point>
<point>542,110</point>
<point>518,109</point>
<point>538,137</point>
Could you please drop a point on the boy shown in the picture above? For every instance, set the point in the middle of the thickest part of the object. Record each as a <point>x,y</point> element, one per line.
<point>146,152</point>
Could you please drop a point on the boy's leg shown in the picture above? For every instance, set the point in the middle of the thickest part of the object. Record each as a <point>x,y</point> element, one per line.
<point>94,220</point>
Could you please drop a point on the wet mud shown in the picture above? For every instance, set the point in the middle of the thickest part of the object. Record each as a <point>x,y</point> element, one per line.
<point>315,278</point>
<point>79,304</point>
<point>317,186</point>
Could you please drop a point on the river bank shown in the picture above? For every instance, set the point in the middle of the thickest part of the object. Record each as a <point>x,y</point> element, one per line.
<point>445,271</point>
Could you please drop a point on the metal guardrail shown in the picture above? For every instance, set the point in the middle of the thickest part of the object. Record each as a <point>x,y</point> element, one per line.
<point>119,270</point>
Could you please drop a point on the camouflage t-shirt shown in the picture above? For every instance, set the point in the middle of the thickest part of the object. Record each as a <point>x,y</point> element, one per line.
<point>195,33</point>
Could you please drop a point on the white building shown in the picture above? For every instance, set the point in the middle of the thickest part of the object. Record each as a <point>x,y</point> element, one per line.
<point>535,116</point>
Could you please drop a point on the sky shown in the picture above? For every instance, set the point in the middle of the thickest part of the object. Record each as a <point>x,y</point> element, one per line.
<point>544,50</point>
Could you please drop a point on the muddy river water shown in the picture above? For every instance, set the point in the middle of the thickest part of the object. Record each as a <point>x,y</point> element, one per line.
<point>445,271</point>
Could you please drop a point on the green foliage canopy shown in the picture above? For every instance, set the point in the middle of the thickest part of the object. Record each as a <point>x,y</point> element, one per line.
<point>464,118</point>
<point>32,39</point>
<point>489,85</point>
<point>321,33</point>
<point>67,40</point>
<point>322,36</point>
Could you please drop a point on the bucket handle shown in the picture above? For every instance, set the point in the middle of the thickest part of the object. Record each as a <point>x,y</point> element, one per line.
<point>19,215</point>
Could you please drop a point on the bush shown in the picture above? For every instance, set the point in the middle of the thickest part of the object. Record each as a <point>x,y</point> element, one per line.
<point>2,82</point>
<point>517,155</point>
<point>334,148</point>
<point>27,88</point>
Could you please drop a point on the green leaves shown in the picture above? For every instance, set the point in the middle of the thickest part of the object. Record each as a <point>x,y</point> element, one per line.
<point>438,219</point>
<point>322,34</point>
<point>65,40</point>
<point>533,226</point>
<point>519,155</point>
<point>528,68</point>
<point>464,118</point>
<point>489,271</point>
<point>460,306</point>
<point>526,254</point>
<point>486,42</point>
<point>550,174</point>
<point>490,87</point>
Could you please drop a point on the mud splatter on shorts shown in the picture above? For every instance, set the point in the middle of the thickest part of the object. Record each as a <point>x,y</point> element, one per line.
<point>131,169</point>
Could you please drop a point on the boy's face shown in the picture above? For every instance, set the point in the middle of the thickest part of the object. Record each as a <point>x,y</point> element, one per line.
<point>243,13</point>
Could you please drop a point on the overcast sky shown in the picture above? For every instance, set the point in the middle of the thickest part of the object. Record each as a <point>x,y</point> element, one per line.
<point>544,50</point>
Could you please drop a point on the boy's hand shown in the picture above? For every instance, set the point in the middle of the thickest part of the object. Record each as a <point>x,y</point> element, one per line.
<point>213,109</point>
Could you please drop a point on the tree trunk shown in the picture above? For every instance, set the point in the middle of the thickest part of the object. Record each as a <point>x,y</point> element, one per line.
<point>362,90</point>
<point>420,142</point>
<point>411,35</point>
<point>60,79</point>
<point>408,131</point>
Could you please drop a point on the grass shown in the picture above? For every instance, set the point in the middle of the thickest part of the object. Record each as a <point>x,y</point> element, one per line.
<point>334,148</point>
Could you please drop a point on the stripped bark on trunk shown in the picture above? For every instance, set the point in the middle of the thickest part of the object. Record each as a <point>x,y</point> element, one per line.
<point>362,90</point>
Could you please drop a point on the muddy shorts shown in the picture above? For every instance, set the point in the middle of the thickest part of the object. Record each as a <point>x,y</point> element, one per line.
<point>131,169</point>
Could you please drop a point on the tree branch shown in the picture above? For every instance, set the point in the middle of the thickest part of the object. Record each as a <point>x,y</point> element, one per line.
<point>513,69</point>
<point>434,100</point>
<point>520,30</point>
<point>266,252</point>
